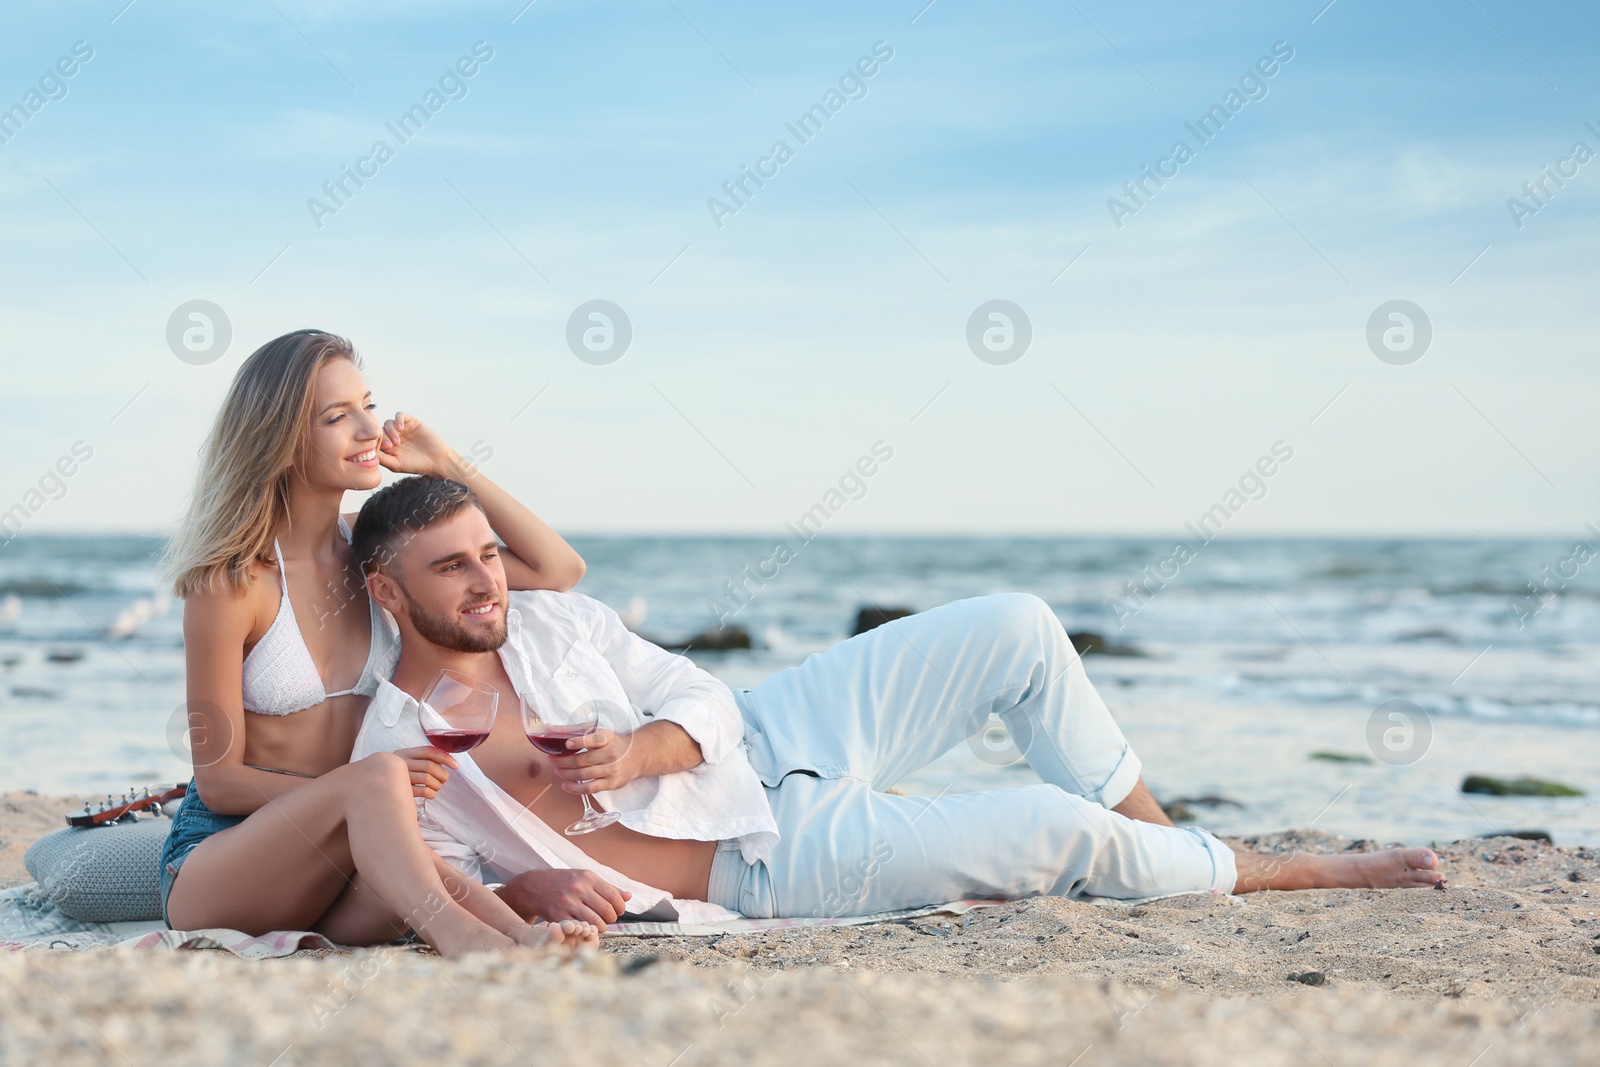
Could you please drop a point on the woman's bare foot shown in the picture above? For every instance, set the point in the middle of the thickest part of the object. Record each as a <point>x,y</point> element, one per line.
<point>568,933</point>
<point>453,939</point>
<point>1397,868</point>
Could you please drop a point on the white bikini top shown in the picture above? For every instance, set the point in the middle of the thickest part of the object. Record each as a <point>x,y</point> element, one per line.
<point>280,677</point>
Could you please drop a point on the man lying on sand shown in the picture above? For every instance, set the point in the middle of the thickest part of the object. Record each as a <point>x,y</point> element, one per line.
<point>773,801</point>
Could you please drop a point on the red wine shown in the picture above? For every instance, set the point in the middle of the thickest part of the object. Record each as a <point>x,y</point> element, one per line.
<point>456,740</point>
<point>551,739</point>
<point>552,744</point>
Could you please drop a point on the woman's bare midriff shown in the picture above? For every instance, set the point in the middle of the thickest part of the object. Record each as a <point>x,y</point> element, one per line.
<point>310,742</point>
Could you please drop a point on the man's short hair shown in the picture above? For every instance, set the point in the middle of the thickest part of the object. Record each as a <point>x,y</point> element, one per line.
<point>401,509</point>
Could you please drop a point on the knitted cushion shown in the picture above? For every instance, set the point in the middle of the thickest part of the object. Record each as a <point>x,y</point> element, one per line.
<point>102,874</point>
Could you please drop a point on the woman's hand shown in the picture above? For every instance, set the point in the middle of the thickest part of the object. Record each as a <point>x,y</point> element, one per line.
<point>430,768</point>
<point>409,447</point>
<point>608,762</point>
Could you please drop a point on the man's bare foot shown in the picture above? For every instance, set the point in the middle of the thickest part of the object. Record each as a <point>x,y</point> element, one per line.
<point>568,933</point>
<point>1397,868</point>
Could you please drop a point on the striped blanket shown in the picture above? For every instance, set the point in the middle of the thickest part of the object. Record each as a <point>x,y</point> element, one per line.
<point>29,921</point>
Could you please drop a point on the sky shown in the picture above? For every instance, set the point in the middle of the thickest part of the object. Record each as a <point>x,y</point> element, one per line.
<point>1178,335</point>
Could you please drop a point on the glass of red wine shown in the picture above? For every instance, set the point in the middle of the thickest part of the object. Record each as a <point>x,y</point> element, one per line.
<point>462,716</point>
<point>549,730</point>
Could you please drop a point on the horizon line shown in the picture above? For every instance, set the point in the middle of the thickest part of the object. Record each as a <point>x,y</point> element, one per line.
<point>937,534</point>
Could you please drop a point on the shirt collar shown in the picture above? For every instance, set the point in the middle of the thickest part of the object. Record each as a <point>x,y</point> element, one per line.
<point>392,702</point>
<point>512,654</point>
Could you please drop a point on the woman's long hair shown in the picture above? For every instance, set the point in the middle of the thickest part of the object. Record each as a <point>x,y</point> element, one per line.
<point>241,497</point>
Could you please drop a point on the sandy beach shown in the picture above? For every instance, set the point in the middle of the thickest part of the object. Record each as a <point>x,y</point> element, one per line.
<point>813,398</point>
<point>1506,960</point>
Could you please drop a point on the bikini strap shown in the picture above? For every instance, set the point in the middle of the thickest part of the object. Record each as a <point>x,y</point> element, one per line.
<point>283,572</point>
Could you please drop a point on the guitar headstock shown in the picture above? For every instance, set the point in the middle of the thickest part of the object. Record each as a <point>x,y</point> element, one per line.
<point>133,801</point>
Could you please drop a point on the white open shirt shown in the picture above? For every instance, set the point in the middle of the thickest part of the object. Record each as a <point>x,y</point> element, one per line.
<point>579,651</point>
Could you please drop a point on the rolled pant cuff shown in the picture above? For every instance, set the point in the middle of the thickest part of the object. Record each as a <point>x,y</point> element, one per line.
<point>1224,868</point>
<point>1121,782</point>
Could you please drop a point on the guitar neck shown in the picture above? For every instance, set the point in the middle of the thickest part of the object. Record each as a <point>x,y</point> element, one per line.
<point>111,810</point>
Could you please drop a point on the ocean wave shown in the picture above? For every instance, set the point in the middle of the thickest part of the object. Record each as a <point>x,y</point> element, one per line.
<point>42,588</point>
<point>1324,691</point>
<point>1490,709</point>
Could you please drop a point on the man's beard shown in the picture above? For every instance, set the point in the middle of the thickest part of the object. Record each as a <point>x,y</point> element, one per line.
<point>447,632</point>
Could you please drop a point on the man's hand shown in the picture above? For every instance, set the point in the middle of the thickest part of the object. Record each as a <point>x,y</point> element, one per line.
<point>609,761</point>
<point>430,768</point>
<point>612,760</point>
<point>564,894</point>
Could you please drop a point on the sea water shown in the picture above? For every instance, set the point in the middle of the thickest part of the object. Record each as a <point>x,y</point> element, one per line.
<point>1252,656</point>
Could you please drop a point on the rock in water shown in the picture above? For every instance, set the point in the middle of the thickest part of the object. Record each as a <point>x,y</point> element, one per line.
<point>1209,800</point>
<point>721,640</point>
<point>870,618</point>
<point>1525,786</point>
<point>1087,642</point>
<point>1181,809</point>
<point>1178,811</point>
<point>1340,757</point>
<point>1524,835</point>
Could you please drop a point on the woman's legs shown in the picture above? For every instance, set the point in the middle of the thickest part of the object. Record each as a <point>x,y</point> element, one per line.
<point>287,864</point>
<point>360,917</point>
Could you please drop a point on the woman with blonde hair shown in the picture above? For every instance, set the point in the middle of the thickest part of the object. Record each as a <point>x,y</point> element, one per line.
<point>283,647</point>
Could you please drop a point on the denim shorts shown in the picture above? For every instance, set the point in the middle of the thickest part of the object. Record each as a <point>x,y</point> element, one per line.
<point>193,824</point>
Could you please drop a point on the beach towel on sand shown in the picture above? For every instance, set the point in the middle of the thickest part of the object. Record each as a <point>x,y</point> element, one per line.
<point>29,921</point>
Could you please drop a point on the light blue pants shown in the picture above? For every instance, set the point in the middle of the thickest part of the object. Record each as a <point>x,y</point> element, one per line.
<point>827,737</point>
